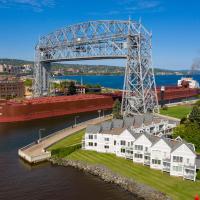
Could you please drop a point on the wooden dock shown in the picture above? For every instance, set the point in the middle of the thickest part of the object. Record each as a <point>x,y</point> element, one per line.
<point>36,151</point>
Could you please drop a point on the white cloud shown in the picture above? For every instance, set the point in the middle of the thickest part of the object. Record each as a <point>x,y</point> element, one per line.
<point>36,5</point>
<point>129,7</point>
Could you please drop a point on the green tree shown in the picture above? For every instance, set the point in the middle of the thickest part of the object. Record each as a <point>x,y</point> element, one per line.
<point>190,131</point>
<point>197,103</point>
<point>72,88</point>
<point>117,110</point>
<point>28,83</point>
<point>194,116</point>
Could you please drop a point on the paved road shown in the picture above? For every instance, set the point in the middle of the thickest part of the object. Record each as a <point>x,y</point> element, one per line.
<point>38,149</point>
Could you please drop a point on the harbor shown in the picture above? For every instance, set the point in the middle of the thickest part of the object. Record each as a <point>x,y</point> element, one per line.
<point>36,151</point>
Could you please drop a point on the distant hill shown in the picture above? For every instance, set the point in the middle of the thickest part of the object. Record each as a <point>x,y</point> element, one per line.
<point>84,69</point>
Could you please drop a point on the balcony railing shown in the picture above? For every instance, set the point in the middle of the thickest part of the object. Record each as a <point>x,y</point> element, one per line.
<point>189,176</point>
<point>166,169</point>
<point>190,167</point>
<point>167,160</point>
<point>147,162</point>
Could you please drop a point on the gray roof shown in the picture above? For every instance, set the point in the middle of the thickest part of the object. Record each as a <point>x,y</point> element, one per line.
<point>179,143</point>
<point>93,129</point>
<point>152,138</point>
<point>128,121</point>
<point>138,120</point>
<point>117,123</point>
<point>135,135</point>
<point>106,126</point>
<point>148,118</point>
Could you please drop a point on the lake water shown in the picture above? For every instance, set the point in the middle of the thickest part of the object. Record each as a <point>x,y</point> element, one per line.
<point>117,81</point>
<point>20,181</point>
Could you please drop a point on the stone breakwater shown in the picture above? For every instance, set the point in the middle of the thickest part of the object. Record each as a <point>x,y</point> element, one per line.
<point>138,189</point>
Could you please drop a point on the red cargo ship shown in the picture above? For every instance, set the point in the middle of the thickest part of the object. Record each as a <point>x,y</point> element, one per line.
<point>44,107</point>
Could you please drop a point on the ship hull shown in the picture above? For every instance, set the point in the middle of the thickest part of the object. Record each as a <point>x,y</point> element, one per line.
<point>52,107</point>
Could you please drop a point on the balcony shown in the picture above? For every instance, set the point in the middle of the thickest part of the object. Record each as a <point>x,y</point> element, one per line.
<point>166,160</point>
<point>146,162</point>
<point>129,156</point>
<point>166,168</point>
<point>190,167</point>
<point>189,176</point>
<point>146,153</point>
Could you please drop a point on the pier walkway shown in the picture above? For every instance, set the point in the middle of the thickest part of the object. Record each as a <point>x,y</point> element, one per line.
<point>36,151</point>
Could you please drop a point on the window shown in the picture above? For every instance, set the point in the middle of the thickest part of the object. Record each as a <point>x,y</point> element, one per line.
<point>156,162</point>
<point>129,152</point>
<point>188,160</point>
<point>177,168</point>
<point>138,155</point>
<point>114,142</point>
<point>132,143</point>
<point>106,139</point>
<point>123,142</point>
<point>90,137</point>
<point>95,136</point>
<point>122,150</point>
<point>95,144</point>
<point>146,148</point>
<point>139,147</point>
<point>177,159</point>
<point>90,143</point>
<point>146,157</point>
<point>106,147</point>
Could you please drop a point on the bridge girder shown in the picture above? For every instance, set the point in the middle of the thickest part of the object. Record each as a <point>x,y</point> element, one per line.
<point>105,39</point>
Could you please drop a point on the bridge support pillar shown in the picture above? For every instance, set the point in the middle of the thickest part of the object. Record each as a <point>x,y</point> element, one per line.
<point>41,79</point>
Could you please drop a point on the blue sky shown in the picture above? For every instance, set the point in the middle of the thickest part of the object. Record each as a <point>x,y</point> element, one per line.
<point>175,25</point>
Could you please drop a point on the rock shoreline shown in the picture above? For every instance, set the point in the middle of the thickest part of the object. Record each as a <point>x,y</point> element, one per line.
<point>140,190</point>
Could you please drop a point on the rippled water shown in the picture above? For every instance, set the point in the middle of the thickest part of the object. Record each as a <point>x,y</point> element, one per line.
<point>20,181</point>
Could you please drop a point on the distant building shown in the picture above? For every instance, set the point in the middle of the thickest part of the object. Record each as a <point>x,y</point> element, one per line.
<point>11,88</point>
<point>11,69</point>
<point>145,143</point>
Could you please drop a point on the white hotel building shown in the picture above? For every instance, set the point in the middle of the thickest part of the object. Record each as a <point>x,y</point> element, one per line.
<point>143,140</point>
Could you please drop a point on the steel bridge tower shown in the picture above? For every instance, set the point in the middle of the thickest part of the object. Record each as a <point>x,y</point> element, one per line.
<point>139,90</point>
<point>103,39</point>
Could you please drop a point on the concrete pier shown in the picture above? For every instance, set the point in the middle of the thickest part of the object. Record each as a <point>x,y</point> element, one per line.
<point>36,151</point>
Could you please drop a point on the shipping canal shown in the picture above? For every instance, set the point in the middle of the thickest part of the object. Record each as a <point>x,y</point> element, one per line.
<point>20,181</point>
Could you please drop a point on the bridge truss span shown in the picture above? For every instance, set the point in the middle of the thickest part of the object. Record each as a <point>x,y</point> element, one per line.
<point>104,39</point>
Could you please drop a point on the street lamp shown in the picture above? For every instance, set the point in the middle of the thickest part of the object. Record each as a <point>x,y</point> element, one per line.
<point>75,120</point>
<point>40,133</point>
<point>99,111</point>
<point>103,113</point>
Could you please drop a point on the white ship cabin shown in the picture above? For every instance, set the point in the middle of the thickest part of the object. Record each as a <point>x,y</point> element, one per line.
<point>124,138</point>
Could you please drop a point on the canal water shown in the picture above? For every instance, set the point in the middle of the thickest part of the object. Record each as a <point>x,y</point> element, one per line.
<point>20,181</point>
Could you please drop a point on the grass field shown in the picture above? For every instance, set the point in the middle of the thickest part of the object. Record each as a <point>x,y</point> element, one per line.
<point>177,188</point>
<point>177,111</point>
<point>68,141</point>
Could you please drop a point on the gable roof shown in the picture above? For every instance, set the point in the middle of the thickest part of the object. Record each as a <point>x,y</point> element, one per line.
<point>138,120</point>
<point>128,121</point>
<point>180,143</point>
<point>117,123</point>
<point>93,129</point>
<point>105,126</point>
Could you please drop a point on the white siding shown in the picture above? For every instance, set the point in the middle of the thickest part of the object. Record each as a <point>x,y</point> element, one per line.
<point>159,151</point>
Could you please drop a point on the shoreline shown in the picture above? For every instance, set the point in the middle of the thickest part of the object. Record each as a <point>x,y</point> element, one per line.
<point>139,190</point>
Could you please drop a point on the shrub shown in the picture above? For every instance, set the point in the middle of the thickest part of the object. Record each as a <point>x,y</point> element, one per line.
<point>165,107</point>
<point>198,174</point>
<point>63,152</point>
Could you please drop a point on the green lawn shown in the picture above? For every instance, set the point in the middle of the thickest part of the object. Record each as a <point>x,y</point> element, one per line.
<point>177,111</point>
<point>177,188</point>
<point>73,139</point>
